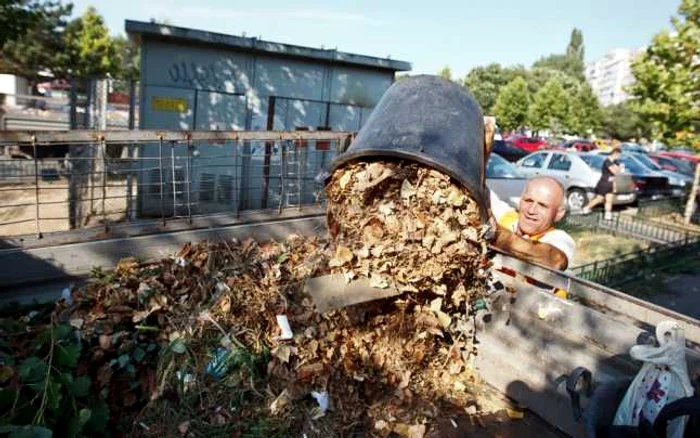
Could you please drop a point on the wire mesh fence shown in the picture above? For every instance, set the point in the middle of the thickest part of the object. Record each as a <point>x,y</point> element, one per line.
<point>111,178</point>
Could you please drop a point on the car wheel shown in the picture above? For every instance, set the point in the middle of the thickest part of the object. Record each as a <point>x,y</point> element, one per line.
<point>576,199</point>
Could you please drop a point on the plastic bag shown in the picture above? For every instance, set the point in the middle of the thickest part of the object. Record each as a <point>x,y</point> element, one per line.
<point>662,379</point>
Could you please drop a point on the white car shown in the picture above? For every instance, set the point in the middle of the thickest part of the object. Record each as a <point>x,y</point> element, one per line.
<point>578,172</point>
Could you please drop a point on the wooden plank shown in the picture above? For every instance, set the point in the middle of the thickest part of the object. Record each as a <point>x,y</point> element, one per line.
<point>333,292</point>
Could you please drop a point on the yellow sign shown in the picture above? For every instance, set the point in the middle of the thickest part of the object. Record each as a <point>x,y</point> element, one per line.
<point>169,104</point>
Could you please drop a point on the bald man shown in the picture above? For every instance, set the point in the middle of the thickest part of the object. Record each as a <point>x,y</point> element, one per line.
<point>529,232</point>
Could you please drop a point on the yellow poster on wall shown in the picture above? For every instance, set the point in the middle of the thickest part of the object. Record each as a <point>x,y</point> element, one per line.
<point>169,104</point>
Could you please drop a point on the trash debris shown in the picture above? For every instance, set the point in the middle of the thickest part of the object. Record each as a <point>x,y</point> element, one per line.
<point>285,328</point>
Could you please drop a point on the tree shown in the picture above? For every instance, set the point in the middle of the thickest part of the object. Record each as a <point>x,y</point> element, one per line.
<point>129,58</point>
<point>621,123</point>
<point>486,82</point>
<point>667,87</point>
<point>584,113</point>
<point>91,50</point>
<point>512,105</point>
<point>550,108</point>
<point>570,62</point>
<point>446,73</point>
<point>575,48</point>
<point>40,47</point>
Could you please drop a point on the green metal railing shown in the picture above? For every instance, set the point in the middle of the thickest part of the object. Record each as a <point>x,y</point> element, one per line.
<point>631,266</point>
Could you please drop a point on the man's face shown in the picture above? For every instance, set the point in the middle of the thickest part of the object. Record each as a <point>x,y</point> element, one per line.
<point>539,207</point>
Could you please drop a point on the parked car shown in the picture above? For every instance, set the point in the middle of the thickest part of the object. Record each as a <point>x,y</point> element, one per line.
<point>579,145</point>
<point>577,176</point>
<point>650,184</point>
<point>679,182</point>
<point>673,164</point>
<point>505,179</point>
<point>507,150</point>
<point>681,155</point>
<point>632,147</point>
<point>529,144</point>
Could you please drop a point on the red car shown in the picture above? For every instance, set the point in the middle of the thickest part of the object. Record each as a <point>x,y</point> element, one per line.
<point>529,144</point>
<point>681,156</point>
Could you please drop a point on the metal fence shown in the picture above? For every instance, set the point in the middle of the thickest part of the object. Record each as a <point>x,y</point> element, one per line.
<point>111,178</point>
<point>629,226</point>
<point>85,103</point>
<point>631,266</point>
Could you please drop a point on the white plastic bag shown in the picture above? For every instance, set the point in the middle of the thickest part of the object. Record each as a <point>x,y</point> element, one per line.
<point>662,379</point>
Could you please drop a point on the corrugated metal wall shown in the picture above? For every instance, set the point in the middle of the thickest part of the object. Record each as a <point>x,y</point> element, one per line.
<point>196,87</point>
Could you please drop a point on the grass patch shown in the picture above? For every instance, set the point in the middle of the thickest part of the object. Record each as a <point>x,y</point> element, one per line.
<point>592,246</point>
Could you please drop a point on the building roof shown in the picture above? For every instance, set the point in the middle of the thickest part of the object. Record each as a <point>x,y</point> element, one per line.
<point>138,30</point>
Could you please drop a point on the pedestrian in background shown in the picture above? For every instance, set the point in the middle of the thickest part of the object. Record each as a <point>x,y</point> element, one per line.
<point>605,189</point>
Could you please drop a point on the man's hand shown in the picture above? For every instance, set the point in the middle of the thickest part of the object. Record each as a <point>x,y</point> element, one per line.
<point>524,249</point>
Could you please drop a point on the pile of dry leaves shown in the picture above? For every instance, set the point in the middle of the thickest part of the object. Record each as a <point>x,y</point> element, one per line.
<point>196,345</point>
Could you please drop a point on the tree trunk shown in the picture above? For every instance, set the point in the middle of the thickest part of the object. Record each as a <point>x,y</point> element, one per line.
<point>690,206</point>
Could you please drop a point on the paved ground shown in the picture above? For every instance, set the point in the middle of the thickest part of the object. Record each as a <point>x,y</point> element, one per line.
<point>682,294</point>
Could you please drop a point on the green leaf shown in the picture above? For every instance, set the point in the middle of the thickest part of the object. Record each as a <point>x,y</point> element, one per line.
<point>138,354</point>
<point>76,424</point>
<point>97,423</point>
<point>26,431</point>
<point>80,387</point>
<point>61,332</point>
<point>67,355</point>
<point>54,396</point>
<point>123,360</point>
<point>282,258</point>
<point>178,347</point>
<point>32,369</point>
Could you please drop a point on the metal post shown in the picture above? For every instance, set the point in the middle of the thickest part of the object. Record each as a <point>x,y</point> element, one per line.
<point>188,179</point>
<point>268,151</point>
<point>236,184</point>
<point>36,188</point>
<point>73,96</point>
<point>283,180</point>
<point>161,185</point>
<point>298,153</point>
<point>132,104</point>
<point>174,175</point>
<point>104,181</point>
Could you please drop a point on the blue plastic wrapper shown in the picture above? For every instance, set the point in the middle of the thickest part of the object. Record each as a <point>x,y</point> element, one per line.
<point>219,364</point>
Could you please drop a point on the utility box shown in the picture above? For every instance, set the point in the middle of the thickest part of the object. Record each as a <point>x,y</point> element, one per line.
<point>197,80</point>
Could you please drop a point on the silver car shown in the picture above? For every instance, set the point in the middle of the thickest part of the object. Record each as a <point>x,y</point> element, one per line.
<point>575,174</point>
<point>503,178</point>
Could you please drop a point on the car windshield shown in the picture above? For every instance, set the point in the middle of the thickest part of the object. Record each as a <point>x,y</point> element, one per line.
<point>593,161</point>
<point>648,162</point>
<point>498,167</point>
<point>633,166</point>
<point>683,166</point>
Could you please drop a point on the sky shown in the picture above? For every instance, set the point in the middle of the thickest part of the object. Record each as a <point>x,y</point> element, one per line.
<point>429,34</point>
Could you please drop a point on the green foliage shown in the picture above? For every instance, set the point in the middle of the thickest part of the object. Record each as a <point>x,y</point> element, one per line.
<point>550,108</point>
<point>621,123</point>
<point>485,83</point>
<point>38,45</point>
<point>48,397</point>
<point>570,62</point>
<point>512,105</point>
<point>446,73</point>
<point>667,87</point>
<point>91,50</point>
<point>129,58</point>
<point>575,48</point>
<point>584,113</point>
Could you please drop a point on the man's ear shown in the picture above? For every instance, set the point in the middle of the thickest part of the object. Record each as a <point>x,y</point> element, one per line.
<point>489,132</point>
<point>560,214</point>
